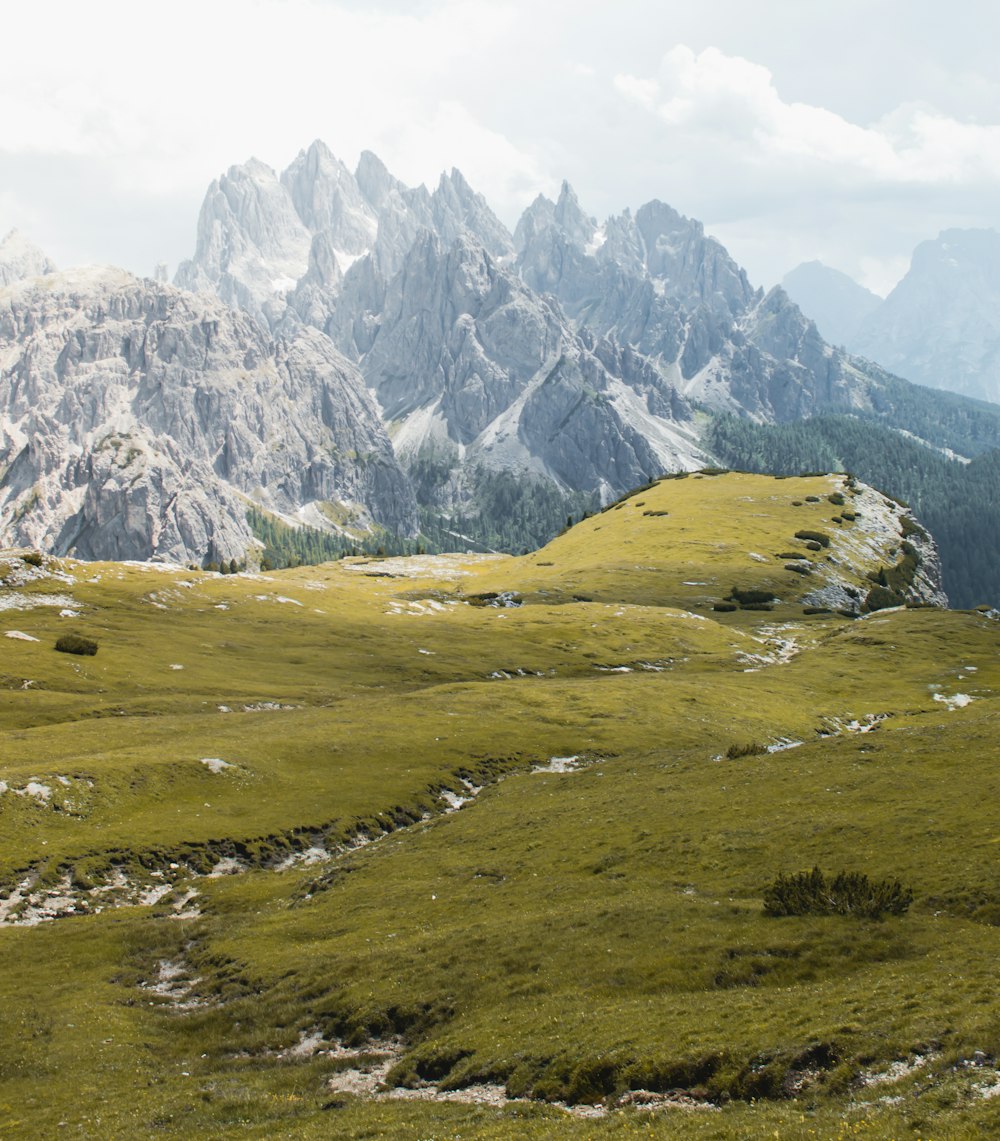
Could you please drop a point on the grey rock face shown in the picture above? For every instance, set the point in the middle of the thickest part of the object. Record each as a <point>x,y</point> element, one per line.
<point>139,421</point>
<point>655,282</point>
<point>256,233</point>
<point>467,359</point>
<point>19,259</point>
<point>252,247</point>
<point>940,326</point>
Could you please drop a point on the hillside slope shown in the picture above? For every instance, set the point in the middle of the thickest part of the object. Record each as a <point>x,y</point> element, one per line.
<point>476,846</point>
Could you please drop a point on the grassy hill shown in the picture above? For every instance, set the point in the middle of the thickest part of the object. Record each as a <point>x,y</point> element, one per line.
<point>476,846</point>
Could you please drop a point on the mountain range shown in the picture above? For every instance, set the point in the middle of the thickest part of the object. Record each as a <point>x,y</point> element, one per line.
<point>379,362</point>
<point>938,327</point>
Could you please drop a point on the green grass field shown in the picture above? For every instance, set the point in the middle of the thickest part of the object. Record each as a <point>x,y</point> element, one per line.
<point>290,857</point>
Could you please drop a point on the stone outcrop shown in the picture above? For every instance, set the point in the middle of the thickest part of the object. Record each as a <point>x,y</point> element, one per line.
<point>138,420</point>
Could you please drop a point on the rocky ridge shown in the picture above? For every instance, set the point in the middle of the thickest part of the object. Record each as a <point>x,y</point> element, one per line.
<point>139,420</point>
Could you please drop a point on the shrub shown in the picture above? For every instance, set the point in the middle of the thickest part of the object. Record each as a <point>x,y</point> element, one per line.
<point>751,750</point>
<point>815,609</point>
<point>812,499</point>
<point>713,471</point>
<point>32,558</point>
<point>837,499</point>
<point>750,597</point>
<point>725,607</point>
<point>814,536</point>
<point>76,644</point>
<point>790,555</point>
<point>656,512</point>
<point>912,527</point>
<point>882,598</point>
<point>850,516</point>
<point>848,893</point>
<point>798,568</point>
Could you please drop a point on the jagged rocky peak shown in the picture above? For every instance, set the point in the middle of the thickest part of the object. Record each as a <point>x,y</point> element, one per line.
<point>570,218</point>
<point>327,197</point>
<point>535,219</point>
<point>251,243</point>
<point>690,264</point>
<point>375,181</point>
<point>256,230</point>
<point>471,364</point>
<point>457,208</point>
<point>565,215</point>
<point>20,258</point>
<point>138,420</point>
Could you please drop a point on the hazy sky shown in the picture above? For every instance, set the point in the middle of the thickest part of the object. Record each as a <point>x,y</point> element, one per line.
<point>844,130</point>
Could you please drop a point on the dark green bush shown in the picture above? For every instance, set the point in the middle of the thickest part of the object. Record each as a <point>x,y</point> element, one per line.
<point>32,558</point>
<point>76,644</point>
<point>750,597</point>
<point>814,536</point>
<point>656,512</point>
<point>848,893</point>
<point>882,598</point>
<point>912,527</point>
<point>798,568</point>
<point>812,499</point>
<point>725,607</point>
<point>791,555</point>
<point>753,749</point>
<point>837,499</point>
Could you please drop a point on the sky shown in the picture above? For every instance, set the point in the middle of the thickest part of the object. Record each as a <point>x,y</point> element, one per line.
<point>843,131</point>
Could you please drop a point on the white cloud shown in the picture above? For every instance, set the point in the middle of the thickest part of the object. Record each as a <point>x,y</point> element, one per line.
<point>210,82</point>
<point>733,104</point>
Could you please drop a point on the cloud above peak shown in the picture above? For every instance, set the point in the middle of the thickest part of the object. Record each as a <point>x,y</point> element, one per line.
<point>711,98</point>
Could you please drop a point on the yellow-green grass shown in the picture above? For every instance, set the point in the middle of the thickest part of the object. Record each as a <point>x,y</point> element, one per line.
<point>569,934</point>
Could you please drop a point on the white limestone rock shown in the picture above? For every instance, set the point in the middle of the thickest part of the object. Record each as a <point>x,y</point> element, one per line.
<point>138,421</point>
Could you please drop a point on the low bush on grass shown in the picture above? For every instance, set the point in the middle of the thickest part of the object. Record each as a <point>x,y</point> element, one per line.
<point>750,597</point>
<point>753,749</point>
<point>814,537</point>
<point>76,644</point>
<point>32,558</point>
<point>847,893</point>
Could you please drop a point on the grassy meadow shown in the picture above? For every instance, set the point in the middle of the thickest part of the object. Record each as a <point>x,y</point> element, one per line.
<point>475,846</point>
